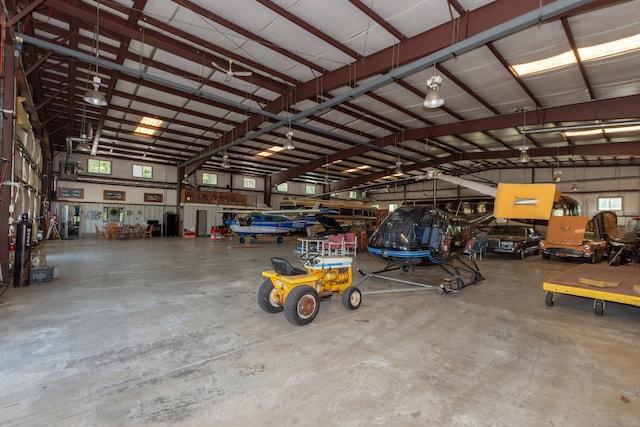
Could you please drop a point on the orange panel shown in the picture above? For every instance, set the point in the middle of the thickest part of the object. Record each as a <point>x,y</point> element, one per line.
<point>524,201</point>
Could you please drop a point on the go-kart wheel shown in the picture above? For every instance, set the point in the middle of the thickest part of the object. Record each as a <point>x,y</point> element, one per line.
<point>548,299</point>
<point>592,258</point>
<point>405,268</point>
<point>546,256</point>
<point>279,239</point>
<point>266,299</point>
<point>351,298</point>
<point>241,239</point>
<point>301,305</point>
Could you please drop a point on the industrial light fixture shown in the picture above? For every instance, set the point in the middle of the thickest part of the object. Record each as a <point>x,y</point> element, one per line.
<point>557,174</point>
<point>94,96</point>
<point>589,129</point>
<point>399,168</point>
<point>288,144</point>
<point>523,157</point>
<point>433,98</point>
<point>225,161</point>
<point>83,147</point>
<point>574,186</point>
<point>585,53</point>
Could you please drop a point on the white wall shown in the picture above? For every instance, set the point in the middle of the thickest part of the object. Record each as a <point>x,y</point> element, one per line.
<point>593,183</point>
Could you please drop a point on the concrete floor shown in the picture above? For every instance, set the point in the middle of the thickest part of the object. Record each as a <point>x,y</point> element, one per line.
<point>168,332</point>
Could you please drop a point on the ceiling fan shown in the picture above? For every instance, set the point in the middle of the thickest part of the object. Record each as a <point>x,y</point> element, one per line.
<point>230,73</point>
<point>191,180</point>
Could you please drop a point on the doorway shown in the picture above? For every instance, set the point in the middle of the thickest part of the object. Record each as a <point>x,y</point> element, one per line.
<point>201,223</point>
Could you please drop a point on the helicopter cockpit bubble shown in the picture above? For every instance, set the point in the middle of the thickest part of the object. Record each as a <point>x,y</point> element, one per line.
<point>418,235</point>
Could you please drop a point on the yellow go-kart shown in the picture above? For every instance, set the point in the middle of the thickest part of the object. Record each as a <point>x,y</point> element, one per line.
<point>298,292</point>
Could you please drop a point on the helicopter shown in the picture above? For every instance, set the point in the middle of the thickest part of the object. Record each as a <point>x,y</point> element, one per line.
<point>419,235</point>
<point>423,236</point>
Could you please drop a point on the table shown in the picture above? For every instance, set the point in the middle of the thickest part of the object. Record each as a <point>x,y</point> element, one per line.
<point>113,230</point>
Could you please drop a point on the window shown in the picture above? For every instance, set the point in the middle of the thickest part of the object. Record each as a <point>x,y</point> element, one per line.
<point>393,207</point>
<point>353,195</point>
<point>283,188</point>
<point>309,189</point>
<point>140,171</point>
<point>609,203</point>
<point>102,167</point>
<point>248,183</point>
<point>209,178</point>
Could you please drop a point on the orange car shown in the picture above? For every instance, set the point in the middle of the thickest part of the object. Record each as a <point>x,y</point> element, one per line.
<point>568,238</point>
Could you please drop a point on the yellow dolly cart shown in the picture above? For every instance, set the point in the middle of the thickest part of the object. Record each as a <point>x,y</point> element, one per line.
<point>621,280</point>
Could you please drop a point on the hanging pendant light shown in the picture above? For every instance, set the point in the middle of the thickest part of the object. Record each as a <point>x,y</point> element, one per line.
<point>557,176</point>
<point>433,98</point>
<point>523,157</point>
<point>288,144</point>
<point>94,96</point>
<point>574,186</point>
<point>225,161</point>
<point>399,168</point>
<point>83,146</point>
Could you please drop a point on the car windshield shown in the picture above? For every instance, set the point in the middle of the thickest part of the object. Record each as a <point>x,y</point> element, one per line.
<point>507,231</point>
<point>588,235</point>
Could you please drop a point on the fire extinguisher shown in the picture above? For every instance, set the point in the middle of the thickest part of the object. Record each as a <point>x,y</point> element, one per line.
<point>445,245</point>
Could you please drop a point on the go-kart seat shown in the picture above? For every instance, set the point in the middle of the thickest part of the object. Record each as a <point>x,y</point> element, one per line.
<point>282,267</point>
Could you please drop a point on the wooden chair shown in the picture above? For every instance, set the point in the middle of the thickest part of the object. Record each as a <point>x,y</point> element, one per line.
<point>98,232</point>
<point>149,232</point>
<point>137,232</point>
<point>124,232</point>
<point>111,230</point>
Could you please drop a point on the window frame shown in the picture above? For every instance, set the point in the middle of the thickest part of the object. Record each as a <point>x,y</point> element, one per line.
<point>608,201</point>
<point>142,169</point>
<point>209,174</point>
<point>100,162</point>
<point>249,183</point>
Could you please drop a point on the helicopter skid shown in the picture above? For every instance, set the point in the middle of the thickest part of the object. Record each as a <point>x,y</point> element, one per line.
<point>455,267</point>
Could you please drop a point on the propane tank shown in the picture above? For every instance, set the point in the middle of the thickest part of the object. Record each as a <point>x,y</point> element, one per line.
<point>22,266</point>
